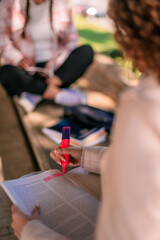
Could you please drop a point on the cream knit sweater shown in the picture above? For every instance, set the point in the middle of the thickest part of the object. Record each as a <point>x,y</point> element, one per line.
<point>130,169</point>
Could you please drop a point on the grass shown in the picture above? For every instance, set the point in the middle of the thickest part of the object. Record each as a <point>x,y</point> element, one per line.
<point>101,40</point>
<point>98,37</point>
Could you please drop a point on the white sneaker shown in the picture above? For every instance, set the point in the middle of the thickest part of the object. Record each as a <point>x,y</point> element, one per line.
<point>71,97</point>
<point>29,101</point>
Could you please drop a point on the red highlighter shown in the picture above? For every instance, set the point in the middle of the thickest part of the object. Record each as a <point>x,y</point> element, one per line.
<point>64,144</point>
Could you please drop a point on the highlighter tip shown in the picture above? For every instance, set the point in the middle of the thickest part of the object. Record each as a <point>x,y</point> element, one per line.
<point>63,169</point>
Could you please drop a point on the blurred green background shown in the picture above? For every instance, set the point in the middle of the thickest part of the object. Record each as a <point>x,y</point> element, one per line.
<point>101,40</point>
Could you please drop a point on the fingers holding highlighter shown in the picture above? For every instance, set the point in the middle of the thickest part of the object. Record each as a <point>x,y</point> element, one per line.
<point>64,154</point>
<point>73,152</point>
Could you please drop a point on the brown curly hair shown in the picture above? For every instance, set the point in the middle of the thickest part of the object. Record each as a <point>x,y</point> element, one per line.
<point>137,30</point>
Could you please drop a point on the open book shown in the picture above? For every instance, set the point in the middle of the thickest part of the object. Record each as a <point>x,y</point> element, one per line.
<point>66,207</point>
<point>47,73</point>
<point>81,134</point>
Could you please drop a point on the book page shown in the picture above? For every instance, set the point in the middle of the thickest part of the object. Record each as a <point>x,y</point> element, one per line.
<point>33,69</point>
<point>90,182</point>
<point>65,207</point>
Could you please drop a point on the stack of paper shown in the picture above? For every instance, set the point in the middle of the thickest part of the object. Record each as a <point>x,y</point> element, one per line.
<point>81,134</point>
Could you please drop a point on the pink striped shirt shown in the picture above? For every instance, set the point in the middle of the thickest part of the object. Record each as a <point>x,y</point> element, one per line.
<point>13,47</point>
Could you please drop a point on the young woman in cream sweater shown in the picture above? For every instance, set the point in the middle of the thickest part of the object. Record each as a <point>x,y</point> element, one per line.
<point>130,167</point>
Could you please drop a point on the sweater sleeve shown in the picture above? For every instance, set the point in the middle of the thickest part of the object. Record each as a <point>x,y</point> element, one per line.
<point>8,51</point>
<point>36,230</point>
<point>91,158</point>
<point>131,177</point>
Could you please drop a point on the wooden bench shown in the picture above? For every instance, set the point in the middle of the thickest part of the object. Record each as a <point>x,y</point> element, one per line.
<point>104,81</point>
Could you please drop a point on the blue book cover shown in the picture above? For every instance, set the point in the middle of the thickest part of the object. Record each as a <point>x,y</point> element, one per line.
<point>81,134</point>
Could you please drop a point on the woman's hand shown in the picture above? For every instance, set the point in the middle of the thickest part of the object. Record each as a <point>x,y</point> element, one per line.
<point>55,81</point>
<point>25,63</point>
<point>53,87</point>
<point>75,154</point>
<point>51,91</point>
<point>19,219</point>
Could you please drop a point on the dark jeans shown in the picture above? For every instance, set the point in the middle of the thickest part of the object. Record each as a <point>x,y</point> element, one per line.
<point>16,80</point>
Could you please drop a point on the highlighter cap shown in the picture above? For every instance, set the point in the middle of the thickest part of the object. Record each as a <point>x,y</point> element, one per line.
<point>66,132</point>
